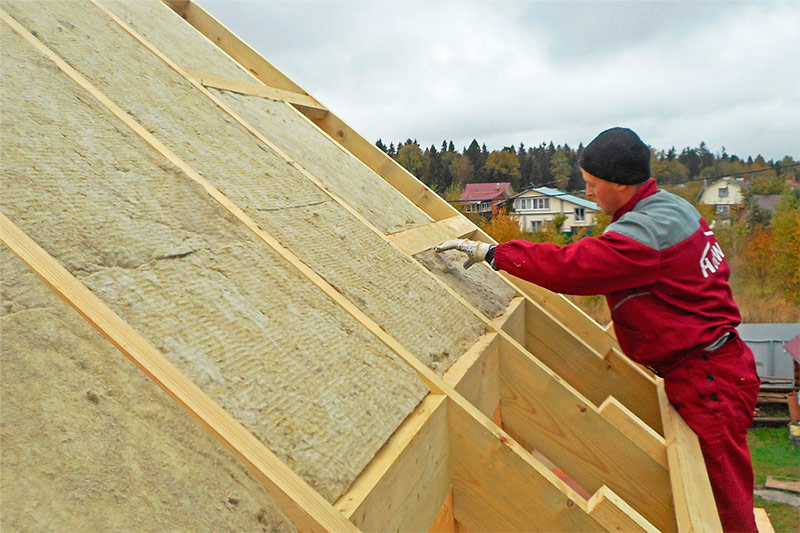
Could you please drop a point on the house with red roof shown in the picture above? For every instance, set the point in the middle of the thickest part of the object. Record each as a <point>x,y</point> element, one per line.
<point>484,198</point>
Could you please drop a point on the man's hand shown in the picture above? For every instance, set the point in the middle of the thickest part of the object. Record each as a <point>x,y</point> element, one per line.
<point>476,251</point>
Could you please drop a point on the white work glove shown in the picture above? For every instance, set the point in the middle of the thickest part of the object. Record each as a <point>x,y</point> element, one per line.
<point>476,251</point>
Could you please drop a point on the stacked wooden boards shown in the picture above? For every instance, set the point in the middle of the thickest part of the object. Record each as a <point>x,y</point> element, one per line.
<point>271,271</point>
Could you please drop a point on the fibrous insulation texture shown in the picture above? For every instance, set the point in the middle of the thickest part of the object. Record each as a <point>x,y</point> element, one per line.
<point>379,279</point>
<point>296,370</point>
<point>90,444</point>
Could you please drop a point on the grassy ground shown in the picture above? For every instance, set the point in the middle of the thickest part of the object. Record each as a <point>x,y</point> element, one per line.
<point>774,455</point>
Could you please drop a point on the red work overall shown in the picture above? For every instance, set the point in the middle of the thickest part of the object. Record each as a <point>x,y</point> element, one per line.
<point>716,394</point>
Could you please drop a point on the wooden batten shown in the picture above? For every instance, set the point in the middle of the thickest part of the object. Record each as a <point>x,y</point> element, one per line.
<point>423,238</point>
<point>595,376</point>
<point>303,506</point>
<point>207,79</point>
<point>407,483</point>
<point>545,413</point>
<point>695,508</point>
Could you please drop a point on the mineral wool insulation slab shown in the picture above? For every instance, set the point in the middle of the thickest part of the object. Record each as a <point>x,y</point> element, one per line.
<point>303,376</point>
<point>381,280</point>
<point>346,176</point>
<point>90,444</point>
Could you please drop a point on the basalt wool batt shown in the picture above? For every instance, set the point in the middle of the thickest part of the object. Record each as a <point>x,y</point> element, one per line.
<point>359,263</point>
<point>301,374</point>
<point>91,444</point>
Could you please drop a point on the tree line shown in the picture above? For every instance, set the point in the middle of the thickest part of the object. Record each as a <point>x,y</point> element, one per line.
<point>448,170</point>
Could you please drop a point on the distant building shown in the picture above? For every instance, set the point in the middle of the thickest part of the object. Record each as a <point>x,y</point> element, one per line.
<point>485,198</point>
<point>536,206</point>
<point>767,202</point>
<point>723,194</point>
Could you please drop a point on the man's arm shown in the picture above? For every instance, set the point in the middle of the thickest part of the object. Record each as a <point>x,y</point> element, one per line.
<point>590,266</point>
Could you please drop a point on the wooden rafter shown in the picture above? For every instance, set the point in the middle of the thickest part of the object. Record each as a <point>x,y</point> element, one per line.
<point>304,507</point>
<point>695,508</point>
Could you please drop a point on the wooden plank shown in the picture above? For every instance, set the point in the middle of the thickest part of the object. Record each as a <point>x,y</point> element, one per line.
<point>542,409</point>
<point>303,506</point>
<point>615,514</point>
<point>637,431</point>
<point>405,485</point>
<point>445,522</point>
<point>782,484</point>
<point>513,320</point>
<point>695,508</point>
<point>567,313</point>
<point>762,521</point>
<point>593,375</point>
<point>419,239</point>
<point>498,488</point>
<point>476,374</point>
<point>252,89</point>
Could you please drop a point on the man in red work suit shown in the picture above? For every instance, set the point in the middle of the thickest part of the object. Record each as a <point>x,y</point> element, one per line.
<point>665,278</point>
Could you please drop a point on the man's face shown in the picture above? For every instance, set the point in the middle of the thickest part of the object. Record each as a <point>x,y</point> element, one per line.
<point>609,196</point>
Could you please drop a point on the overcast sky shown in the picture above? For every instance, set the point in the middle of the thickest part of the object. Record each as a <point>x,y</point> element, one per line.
<point>678,73</point>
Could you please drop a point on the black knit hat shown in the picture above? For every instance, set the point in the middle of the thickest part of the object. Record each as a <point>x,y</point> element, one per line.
<point>617,155</point>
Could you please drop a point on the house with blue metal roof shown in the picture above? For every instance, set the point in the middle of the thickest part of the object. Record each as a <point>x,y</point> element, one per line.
<point>534,207</point>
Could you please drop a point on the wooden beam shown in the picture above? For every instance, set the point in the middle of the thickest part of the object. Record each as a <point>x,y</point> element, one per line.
<point>637,431</point>
<point>695,508</point>
<point>303,506</point>
<point>499,487</point>
<point>423,238</point>
<point>595,376</point>
<point>513,320</point>
<point>254,89</point>
<point>445,521</point>
<point>566,312</point>
<point>540,407</point>
<point>615,514</point>
<point>406,484</point>
<point>476,374</point>
<point>762,521</point>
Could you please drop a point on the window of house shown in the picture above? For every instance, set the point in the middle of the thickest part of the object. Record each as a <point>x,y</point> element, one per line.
<point>580,214</point>
<point>722,210</point>
<point>530,204</point>
<point>723,192</point>
<point>536,225</point>
<point>485,206</point>
<point>470,208</point>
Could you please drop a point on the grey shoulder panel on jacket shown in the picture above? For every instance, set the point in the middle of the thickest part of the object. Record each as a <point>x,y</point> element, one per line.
<point>659,221</point>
